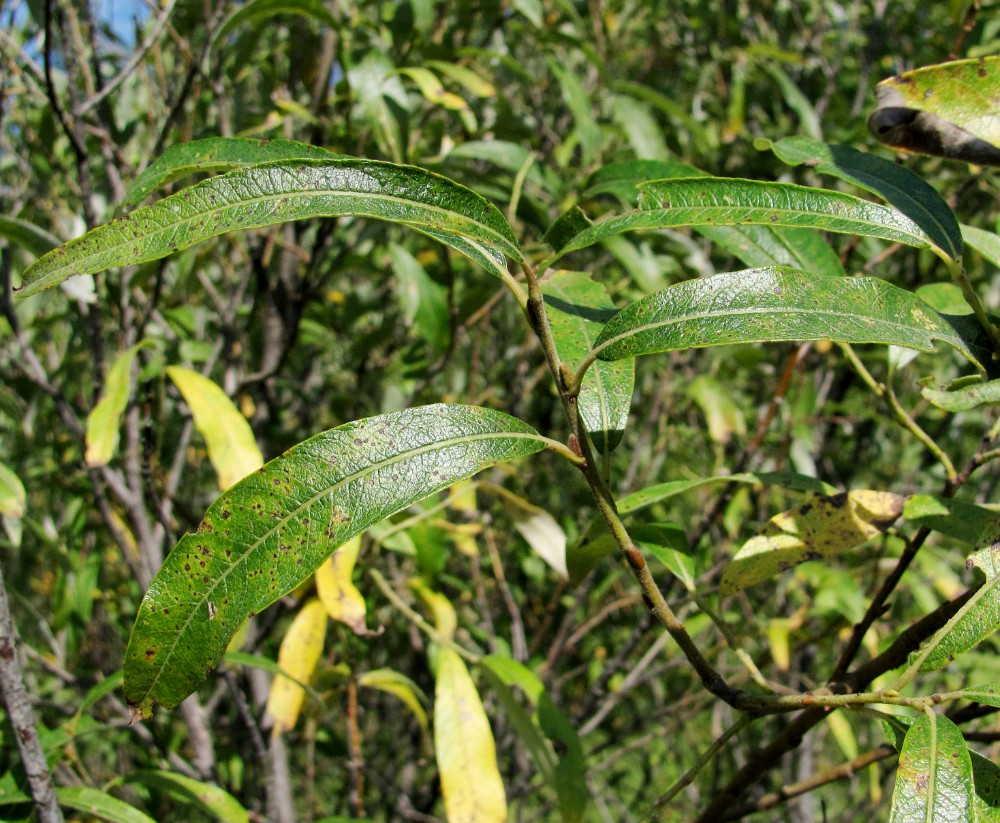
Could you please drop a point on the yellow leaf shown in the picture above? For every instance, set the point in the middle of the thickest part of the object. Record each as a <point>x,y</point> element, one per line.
<point>400,686</point>
<point>443,613</point>
<point>342,600</point>
<point>12,494</point>
<point>821,528</point>
<point>300,651</point>
<point>231,444</point>
<point>466,754</point>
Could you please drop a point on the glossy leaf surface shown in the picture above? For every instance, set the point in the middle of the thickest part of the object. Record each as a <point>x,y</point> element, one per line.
<point>578,307</point>
<point>715,201</point>
<point>272,530</point>
<point>99,804</point>
<point>464,747</point>
<point>209,798</point>
<point>232,447</point>
<point>979,617</point>
<point>934,776</point>
<point>895,184</point>
<point>216,154</point>
<point>823,527</point>
<point>761,305</point>
<point>273,193</point>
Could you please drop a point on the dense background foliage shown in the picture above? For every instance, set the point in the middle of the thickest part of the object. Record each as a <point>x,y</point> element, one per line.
<point>312,324</point>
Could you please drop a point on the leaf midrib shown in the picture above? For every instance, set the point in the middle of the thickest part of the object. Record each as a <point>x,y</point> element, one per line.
<point>767,310</point>
<point>306,504</point>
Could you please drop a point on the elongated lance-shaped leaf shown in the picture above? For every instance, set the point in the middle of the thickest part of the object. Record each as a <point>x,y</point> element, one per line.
<point>340,597</point>
<point>216,154</point>
<point>979,617</point>
<point>34,238</point>
<point>272,530</point>
<point>188,791</point>
<point>895,184</point>
<point>301,649</point>
<point>934,776</point>
<point>578,307</point>
<point>262,9</point>
<point>987,243</point>
<point>967,397</point>
<point>276,193</point>
<point>716,201</point>
<point>104,420</point>
<point>771,304</point>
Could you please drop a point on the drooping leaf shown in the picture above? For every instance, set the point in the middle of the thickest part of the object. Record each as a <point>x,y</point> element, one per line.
<point>339,595</point>
<point>979,616</point>
<point>464,748</point>
<point>104,420</point>
<point>578,307</point>
<point>232,447</point>
<point>12,494</point>
<point>442,612</point>
<point>399,686</point>
<point>271,193</point>
<point>823,527</point>
<point>272,530</point>
<point>27,235</point>
<point>716,201</point>
<point>216,154</point>
<point>934,776</point>
<point>254,10</point>
<point>948,110</point>
<point>185,790</point>
<point>768,305</point>
<point>895,184</point>
<point>300,651</point>
<point>99,804</point>
<point>962,399</point>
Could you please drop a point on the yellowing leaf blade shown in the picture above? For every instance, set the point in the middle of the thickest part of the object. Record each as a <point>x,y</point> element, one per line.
<point>401,687</point>
<point>300,651</point>
<point>464,747</point>
<point>104,420</point>
<point>340,597</point>
<point>825,526</point>
<point>232,447</point>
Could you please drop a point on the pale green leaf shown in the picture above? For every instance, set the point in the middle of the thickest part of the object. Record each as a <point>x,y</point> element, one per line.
<point>934,776</point>
<point>268,533</point>
<point>967,397</point>
<point>271,193</point>
<point>979,616</point>
<point>768,305</point>
<point>187,791</point>
<point>399,686</point>
<point>464,748</point>
<point>99,804</point>
<point>232,447</point>
<point>27,235</point>
<point>12,494</point>
<point>104,420</point>
<point>987,243</point>
<point>954,518</point>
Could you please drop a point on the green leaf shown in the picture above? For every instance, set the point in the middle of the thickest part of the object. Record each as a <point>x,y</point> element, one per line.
<point>272,530</point>
<point>988,695</point>
<point>464,747</point>
<point>95,803</point>
<point>897,185</point>
<point>216,154</point>
<point>578,307</point>
<point>27,235</point>
<point>273,193</point>
<point>954,518</point>
<point>104,420</point>
<point>822,527</point>
<point>934,776</point>
<point>262,9</point>
<point>979,617</point>
<point>771,304</point>
<point>717,201</point>
<point>665,541</point>
<point>948,110</point>
<point>232,447</point>
<point>189,792</point>
<point>987,243</point>
<point>423,299</point>
<point>12,494</point>
<point>970,396</point>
